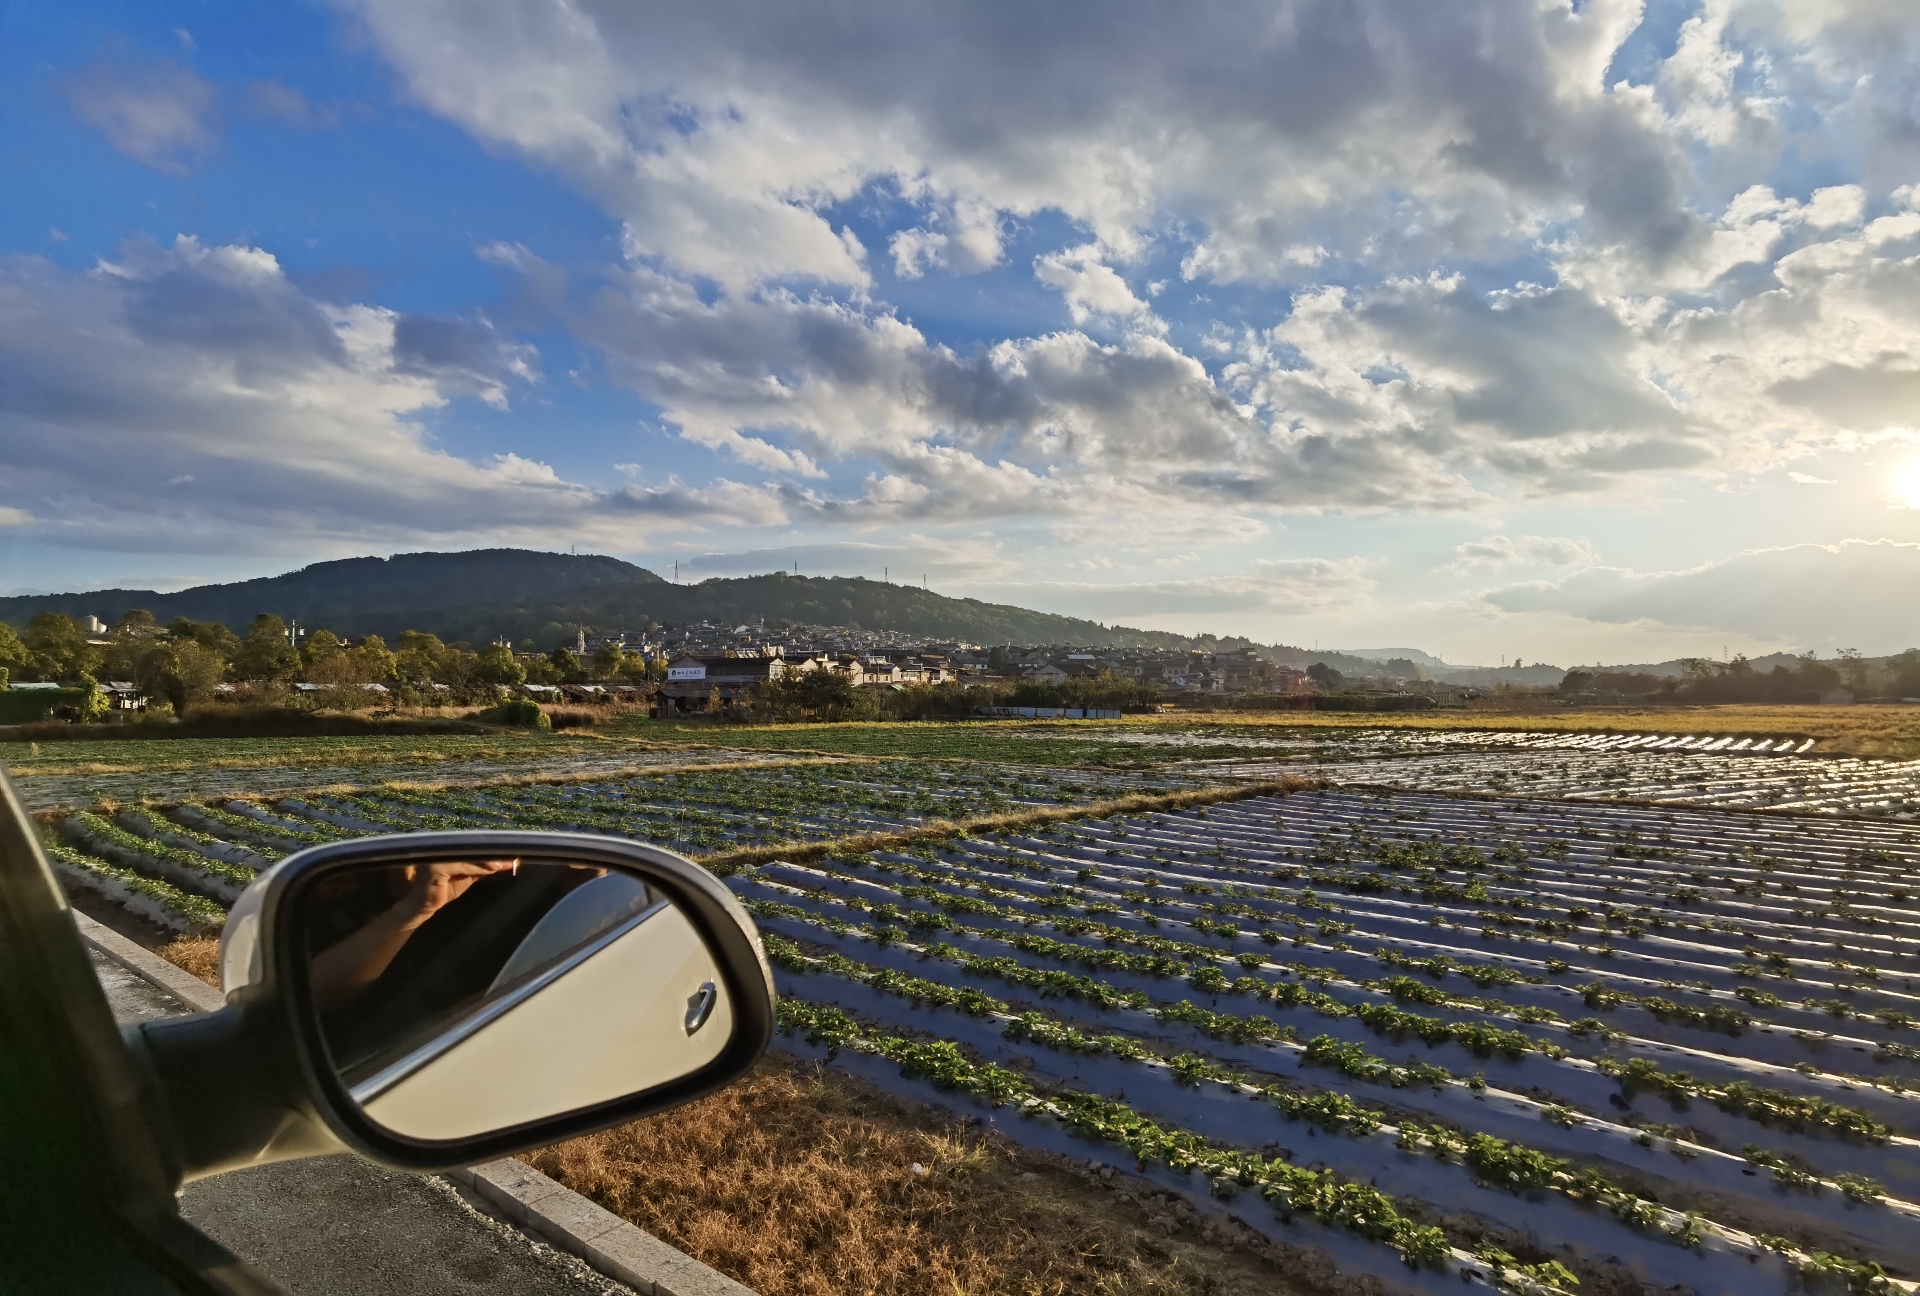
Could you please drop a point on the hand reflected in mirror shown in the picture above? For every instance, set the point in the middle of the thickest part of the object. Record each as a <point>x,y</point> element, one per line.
<point>354,962</point>
<point>465,994</point>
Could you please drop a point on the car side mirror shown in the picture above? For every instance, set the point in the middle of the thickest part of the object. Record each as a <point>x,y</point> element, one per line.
<point>441,999</point>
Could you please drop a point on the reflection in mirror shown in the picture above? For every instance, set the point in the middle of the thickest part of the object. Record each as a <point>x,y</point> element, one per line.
<point>459,997</point>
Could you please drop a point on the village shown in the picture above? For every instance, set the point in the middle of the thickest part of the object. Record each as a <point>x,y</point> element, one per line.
<point>707,667</point>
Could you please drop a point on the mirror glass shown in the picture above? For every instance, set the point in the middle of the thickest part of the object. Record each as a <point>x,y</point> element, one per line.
<point>464,996</point>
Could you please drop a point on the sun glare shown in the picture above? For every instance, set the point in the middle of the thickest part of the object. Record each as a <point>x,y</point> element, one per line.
<point>1906,486</point>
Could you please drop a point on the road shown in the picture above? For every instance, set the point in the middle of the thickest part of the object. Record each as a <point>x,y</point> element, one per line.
<point>339,1226</point>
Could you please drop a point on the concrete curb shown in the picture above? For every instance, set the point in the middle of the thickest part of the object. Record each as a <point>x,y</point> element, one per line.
<point>148,966</point>
<point>510,1188</point>
<point>570,1222</point>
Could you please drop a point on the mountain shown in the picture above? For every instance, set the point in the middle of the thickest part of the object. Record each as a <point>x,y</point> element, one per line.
<point>1413,655</point>
<point>347,594</point>
<point>520,595</point>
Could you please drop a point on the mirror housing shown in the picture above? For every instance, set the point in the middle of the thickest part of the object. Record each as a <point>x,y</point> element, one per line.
<point>257,1081</point>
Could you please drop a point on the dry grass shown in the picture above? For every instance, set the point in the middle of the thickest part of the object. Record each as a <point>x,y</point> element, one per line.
<point>199,955</point>
<point>799,1182</point>
<point>1864,730</point>
<point>725,862</point>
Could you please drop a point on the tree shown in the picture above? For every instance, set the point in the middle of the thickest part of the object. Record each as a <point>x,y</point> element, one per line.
<point>13,653</point>
<point>423,658</point>
<point>497,665</point>
<point>608,658</point>
<point>268,654</point>
<point>208,634</point>
<point>57,647</point>
<point>566,666</point>
<point>136,621</point>
<point>371,662</point>
<point>321,645</point>
<point>183,671</point>
<point>813,695</point>
<point>94,704</point>
<point>1576,681</point>
<point>1325,676</point>
<point>1905,671</point>
<point>1854,669</point>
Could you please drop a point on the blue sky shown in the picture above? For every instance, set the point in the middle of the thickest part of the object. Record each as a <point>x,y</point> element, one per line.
<point>1495,329</point>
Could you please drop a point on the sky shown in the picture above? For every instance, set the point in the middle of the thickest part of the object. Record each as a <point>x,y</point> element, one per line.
<point>1501,329</point>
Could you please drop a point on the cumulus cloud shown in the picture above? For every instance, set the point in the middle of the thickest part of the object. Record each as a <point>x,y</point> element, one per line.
<point>944,562</point>
<point>272,416</point>
<point>1859,593</point>
<point>462,356</point>
<point>1059,424</point>
<point>1691,316</point>
<point>723,135</point>
<point>1090,286</point>
<point>1272,586</point>
<point>1458,255</point>
<point>1522,551</point>
<point>153,110</point>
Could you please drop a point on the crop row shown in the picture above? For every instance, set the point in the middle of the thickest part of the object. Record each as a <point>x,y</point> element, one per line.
<point>1422,1033</point>
<point>1181,1069</point>
<point>1854,786</point>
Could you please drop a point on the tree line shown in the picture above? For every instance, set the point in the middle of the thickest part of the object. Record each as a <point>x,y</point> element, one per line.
<point>1807,680</point>
<point>184,662</point>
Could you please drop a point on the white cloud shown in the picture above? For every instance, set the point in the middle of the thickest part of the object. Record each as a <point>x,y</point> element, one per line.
<point>1058,425</point>
<point>904,560</point>
<point>1522,551</point>
<point>1266,588</point>
<point>274,418</point>
<point>1807,479</point>
<point>1858,593</point>
<point>1692,316</point>
<point>1090,286</point>
<point>153,110</point>
<point>723,134</point>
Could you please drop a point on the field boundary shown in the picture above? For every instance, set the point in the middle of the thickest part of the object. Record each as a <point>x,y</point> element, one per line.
<point>508,1188</point>
<point>722,863</point>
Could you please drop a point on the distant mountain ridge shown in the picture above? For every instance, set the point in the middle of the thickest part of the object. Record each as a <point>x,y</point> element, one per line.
<point>520,594</point>
<point>357,591</point>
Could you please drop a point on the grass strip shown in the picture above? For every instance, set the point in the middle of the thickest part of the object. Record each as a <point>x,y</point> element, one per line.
<point>727,862</point>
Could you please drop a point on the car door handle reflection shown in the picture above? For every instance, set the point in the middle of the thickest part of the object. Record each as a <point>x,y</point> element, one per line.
<point>700,1007</point>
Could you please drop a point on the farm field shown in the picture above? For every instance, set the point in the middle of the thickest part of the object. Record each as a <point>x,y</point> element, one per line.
<point>1890,729</point>
<point>1551,1011</point>
<point>1863,730</point>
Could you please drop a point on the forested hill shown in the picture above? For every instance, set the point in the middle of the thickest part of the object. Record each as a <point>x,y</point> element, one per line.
<point>485,594</point>
<point>360,592</point>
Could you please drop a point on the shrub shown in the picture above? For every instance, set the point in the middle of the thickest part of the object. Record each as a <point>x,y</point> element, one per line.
<point>522,712</point>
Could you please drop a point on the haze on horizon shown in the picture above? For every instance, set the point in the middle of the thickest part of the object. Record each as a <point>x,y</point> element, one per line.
<point>1569,332</point>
